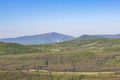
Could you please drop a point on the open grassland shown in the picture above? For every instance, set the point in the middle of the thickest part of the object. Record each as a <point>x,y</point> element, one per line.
<point>97,59</point>
<point>77,60</point>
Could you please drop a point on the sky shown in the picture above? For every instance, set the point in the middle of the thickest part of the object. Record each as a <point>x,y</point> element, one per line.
<point>71,17</point>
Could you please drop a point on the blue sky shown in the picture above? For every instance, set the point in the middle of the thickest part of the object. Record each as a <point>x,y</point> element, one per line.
<point>72,17</point>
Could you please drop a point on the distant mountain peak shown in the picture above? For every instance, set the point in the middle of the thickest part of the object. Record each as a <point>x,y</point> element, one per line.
<point>54,33</point>
<point>45,38</point>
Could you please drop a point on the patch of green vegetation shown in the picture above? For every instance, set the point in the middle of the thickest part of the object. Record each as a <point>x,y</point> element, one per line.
<point>114,61</point>
<point>11,48</point>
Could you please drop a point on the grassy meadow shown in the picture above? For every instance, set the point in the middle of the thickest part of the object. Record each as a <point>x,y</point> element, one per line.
<point>95,59</point>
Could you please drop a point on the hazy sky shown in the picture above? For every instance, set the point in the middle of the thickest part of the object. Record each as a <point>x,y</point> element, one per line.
<point>72,17</point>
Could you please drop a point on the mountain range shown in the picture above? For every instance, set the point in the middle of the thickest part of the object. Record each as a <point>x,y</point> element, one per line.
<point>46,38</point>
<point>52,37</point>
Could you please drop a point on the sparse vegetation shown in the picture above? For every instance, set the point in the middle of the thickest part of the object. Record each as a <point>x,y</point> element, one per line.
<point>97,55</point>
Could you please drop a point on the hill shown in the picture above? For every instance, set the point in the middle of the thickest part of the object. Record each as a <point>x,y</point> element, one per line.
<point>39,39</point>
<point>84,37</point>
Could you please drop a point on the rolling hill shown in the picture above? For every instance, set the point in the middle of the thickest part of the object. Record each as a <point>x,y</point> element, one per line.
<point>84,37</point>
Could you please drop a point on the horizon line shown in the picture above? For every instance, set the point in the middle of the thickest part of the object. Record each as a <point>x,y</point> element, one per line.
<point>57,33</point>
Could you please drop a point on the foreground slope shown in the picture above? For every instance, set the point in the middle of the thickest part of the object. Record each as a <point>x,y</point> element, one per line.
<point>94,59</point>
<point>76,55</point>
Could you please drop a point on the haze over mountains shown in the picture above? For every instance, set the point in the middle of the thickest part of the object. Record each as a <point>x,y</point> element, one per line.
<point>52,37</point>
<point>46,38</point>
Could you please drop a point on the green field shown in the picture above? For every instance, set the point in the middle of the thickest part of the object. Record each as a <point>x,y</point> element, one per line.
<point>95,59</point>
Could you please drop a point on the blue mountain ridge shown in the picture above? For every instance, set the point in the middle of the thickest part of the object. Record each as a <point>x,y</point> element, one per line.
<point>46,38</point>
